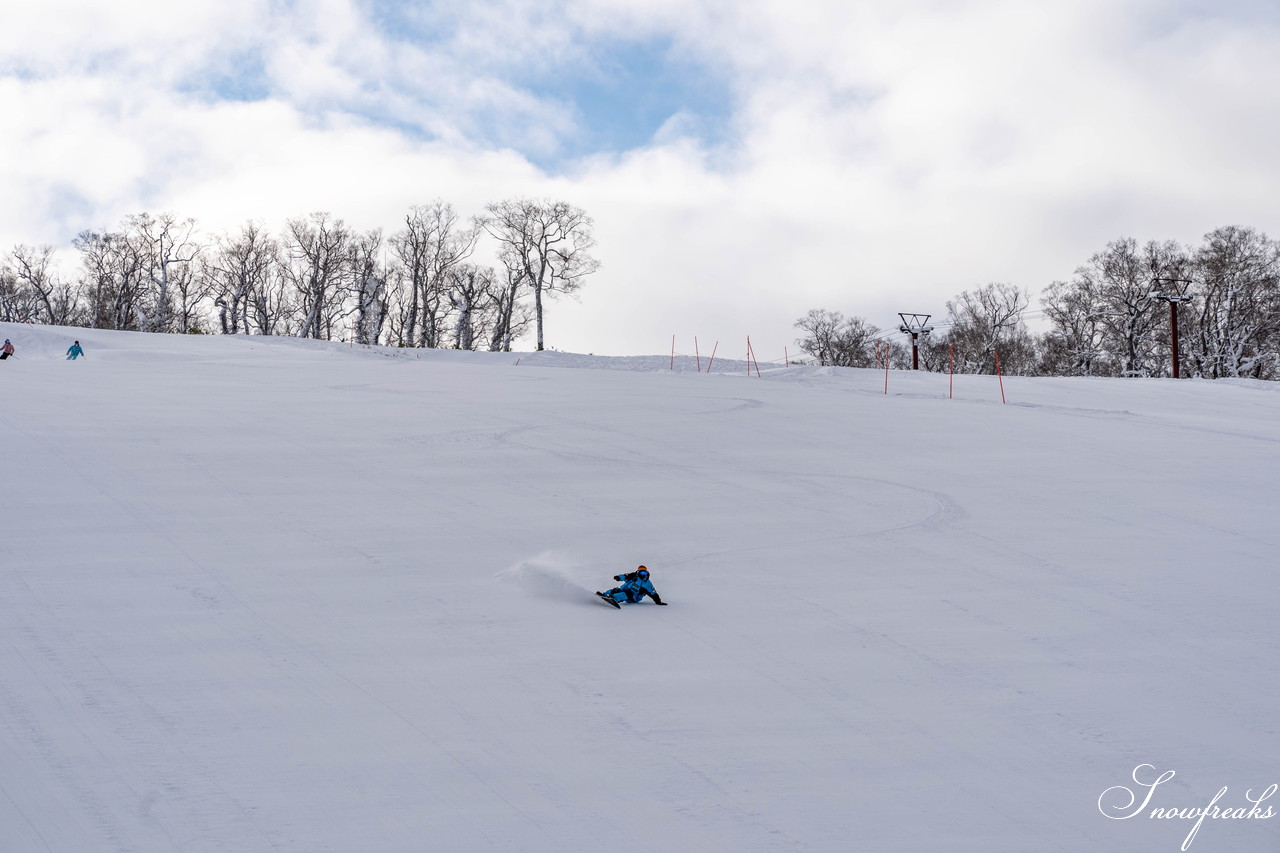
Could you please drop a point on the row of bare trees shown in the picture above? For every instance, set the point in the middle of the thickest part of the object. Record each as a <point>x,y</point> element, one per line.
<point>980,325</point>
<point>316,278</point>
<point>1111,318</point>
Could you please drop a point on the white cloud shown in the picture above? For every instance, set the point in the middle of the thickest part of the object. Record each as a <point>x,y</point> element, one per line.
<point>159,40</point>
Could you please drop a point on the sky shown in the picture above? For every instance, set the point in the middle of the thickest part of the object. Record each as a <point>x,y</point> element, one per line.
<point>744,162</point>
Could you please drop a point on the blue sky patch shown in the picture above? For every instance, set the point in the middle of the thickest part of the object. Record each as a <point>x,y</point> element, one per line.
<point>236,76</point>
<point>630,90</point>
<point>619,91</point>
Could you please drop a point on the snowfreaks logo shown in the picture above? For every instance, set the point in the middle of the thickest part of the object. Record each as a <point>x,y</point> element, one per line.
<point>1124,803</point>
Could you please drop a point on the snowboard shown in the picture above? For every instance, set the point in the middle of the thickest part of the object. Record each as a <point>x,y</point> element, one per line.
<point>608,599</point>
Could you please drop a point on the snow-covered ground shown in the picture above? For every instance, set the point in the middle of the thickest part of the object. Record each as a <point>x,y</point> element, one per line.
<point>266,594</point>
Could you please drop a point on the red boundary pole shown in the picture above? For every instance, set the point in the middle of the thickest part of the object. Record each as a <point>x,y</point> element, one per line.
<point>951,383</point>
<point>673,352</point>
<point>696,353</point>
<point>1000,375</point>
<point>713,356</point>
<point>886,368</point>
<point>751,357</point>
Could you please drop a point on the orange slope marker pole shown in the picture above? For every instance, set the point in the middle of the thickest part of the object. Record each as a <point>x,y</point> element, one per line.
<point>1000,376</point>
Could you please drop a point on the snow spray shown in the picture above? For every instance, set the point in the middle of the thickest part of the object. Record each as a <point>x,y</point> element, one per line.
<point>546,576</point>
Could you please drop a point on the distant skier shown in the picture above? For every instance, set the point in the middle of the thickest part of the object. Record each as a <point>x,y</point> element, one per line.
<point>74,351</point>
<point>6,350</point>
<point>635,586</point>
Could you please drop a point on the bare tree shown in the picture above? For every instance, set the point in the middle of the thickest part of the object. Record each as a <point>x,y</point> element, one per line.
<point>414,249</point>
<point>319,270</point>
<point>987,321</point>
<point>114,280</point>
<point>273,305</point>
<point>434,242</point>
<point>836,340</point>
<point>369,287</point>
<point>1074,345</point>
<point>1123,283</point>
<point>550,241</point>
<point>475,294</point>
<point>168,247</point>
<point>510,317</point>
<point>820,328</point>
<point>1106,320</point>
<point>17,303</point>
<point>398,297</point>
<point>1237,277</point>
<point>1121,276</point>
<point>936,353</point>
<point>240,272</point>
<point>53,300</point>
<point>142,277</point>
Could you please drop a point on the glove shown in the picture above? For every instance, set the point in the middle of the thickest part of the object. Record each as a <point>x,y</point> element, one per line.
<point>619,577</point>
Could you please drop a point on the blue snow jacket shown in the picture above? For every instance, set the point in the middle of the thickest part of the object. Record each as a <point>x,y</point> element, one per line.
<point>636,589</point>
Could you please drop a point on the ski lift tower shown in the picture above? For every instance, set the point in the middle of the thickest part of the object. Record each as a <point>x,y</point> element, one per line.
<point>915,325</point>
<point>1175,294</point>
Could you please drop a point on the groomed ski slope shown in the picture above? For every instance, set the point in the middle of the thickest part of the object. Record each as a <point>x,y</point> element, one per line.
<point>274,595</point>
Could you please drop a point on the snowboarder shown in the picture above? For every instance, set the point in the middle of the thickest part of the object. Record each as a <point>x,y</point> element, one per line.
<point>6,350</point>
<point>74,351</point>
<point>635,586</point>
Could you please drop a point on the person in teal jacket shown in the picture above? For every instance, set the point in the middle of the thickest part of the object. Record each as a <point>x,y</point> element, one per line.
<point>635,586</point>
<point>74,351</point>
